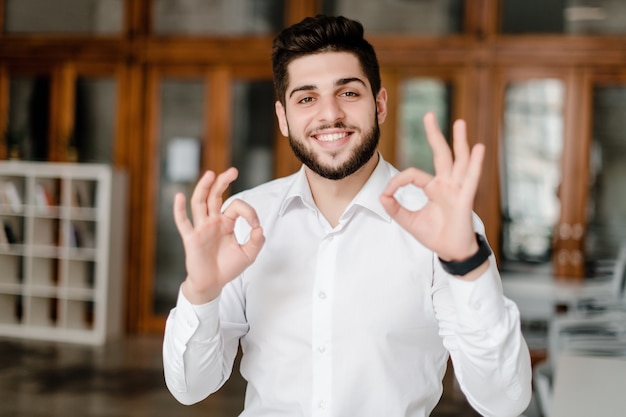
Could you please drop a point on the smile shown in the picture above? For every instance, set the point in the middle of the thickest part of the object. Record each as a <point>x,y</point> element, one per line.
<point>332,137</point>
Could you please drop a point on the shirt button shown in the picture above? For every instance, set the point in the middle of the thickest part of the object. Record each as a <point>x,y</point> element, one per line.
<point>321,349</point>
<point>322,295</point>
<point>321,405</point>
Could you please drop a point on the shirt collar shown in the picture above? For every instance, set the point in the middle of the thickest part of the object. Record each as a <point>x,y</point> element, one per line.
<point>299,192</point>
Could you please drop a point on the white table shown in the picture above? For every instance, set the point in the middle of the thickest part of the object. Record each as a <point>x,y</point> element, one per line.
<point>537,295</point>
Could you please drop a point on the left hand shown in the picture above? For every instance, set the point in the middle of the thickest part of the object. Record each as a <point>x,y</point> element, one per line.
<point>444,224</point>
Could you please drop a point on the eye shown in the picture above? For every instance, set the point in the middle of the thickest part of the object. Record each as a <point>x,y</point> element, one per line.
<point>350,94</point>
<point>305,100</point>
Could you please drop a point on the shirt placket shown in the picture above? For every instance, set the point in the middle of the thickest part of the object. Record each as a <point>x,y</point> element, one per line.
<point>322,326</point>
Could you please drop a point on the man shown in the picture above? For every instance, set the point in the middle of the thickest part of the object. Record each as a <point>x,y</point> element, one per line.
<point>347,284</point>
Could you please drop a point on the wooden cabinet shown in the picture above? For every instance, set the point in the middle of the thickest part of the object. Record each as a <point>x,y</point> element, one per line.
<point>104,94</point>
<point>61,251</point>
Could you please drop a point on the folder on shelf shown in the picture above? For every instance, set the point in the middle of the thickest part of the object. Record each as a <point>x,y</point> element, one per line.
<point>12,196</point>
<point>80,236</point>
<point>82,194</point>
<point>43,199</point>
<point>4,240</point>
<point>8,232</point>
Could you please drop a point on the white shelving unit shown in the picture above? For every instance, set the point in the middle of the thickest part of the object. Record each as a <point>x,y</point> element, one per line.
<point>62,247</point>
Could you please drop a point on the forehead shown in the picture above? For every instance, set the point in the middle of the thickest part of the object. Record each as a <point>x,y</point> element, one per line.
<point>316,69</point>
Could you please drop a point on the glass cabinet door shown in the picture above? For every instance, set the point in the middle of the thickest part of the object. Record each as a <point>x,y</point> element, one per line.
<point>601,17</point>
<point>27,132</point>
<point>533,160</point>
<point>64,16</point>
<point>181,130</point>
<point>183,115</point>
<point>417,96</point>
<point>425,17</point>
<point>91,130</point>
<point>253,133</point>
<point>93,136</point>
<point>532,144</point>
<point>212,17</point>
<point>606,208</point>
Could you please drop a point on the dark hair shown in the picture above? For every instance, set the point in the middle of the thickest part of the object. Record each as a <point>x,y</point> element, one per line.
<point>322,34</point>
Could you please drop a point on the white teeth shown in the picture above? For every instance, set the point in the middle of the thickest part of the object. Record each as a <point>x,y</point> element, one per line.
<point>332,137</point>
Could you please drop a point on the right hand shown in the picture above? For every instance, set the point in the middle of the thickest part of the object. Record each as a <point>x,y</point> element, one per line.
<point>213,256</point>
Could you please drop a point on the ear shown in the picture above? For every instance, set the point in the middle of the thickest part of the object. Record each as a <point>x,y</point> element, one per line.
<point>282,118</point>
<point>381,105</point>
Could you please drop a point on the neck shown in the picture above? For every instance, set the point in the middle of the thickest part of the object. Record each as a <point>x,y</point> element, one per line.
<point>333,196</point>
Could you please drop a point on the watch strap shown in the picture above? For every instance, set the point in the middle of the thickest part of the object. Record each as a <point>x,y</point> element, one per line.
<point>468,265</point>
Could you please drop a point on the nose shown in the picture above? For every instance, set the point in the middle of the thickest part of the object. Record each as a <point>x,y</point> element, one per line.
<point>330,109</point>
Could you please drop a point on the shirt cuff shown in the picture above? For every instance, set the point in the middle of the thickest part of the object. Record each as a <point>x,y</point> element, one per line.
<point>196,322</point>
<point>480,303</point>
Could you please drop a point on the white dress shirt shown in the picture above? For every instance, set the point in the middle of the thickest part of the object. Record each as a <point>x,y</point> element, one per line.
<point>356,320</point>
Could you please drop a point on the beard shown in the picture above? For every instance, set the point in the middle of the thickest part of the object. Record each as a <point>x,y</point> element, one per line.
<point>356,160</point>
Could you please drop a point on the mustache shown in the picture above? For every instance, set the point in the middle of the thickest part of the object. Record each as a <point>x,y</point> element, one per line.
<point>336,125</point>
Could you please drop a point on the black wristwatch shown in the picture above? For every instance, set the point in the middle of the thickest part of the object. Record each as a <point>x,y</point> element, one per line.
<point>468,265</point>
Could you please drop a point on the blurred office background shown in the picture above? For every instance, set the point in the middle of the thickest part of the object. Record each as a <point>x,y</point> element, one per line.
<point>163,89</point>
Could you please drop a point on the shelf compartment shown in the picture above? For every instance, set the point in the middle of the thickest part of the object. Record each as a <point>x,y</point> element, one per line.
<point>45,231</point>
<point>11,231</point>
<point>42,311</point>
<point>81,234</point>
<point>11,267</point>
<point>46,196</point>
<point>11,309</point>
<point>44,271</point>
<point>83,193</point>
<point>78,314</point>
<point>80,275</point>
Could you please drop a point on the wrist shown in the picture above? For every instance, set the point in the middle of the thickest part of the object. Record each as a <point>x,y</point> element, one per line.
<point>464,266</point>
<point>198,297</point>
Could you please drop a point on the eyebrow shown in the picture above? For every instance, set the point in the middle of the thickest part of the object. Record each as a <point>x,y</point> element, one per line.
<point>339,82</point>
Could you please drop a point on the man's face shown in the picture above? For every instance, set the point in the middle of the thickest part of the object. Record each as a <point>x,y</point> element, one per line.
<point>330,116</point>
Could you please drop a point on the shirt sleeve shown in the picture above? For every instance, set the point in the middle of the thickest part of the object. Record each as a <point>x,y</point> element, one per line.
<point>198,349</point>
<point>481,330</point>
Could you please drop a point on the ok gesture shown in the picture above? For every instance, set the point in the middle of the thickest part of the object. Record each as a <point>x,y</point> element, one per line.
<point>213,256</point>
<point>444,224</point>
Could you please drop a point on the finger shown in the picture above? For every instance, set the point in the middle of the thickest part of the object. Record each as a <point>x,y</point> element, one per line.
<point>442,155</point>
<point>461,151</point>
<point>214,200</point>
<point>400,214</point>
<point>472,176</point>
<point>239,208</point>
<point>408,176</point>
<point>200,195</point>
<point>181,219</point>
<point>390,204</point>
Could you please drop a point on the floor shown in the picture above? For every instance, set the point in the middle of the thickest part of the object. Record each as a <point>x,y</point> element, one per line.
<point>121,379</point>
